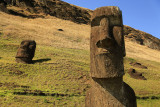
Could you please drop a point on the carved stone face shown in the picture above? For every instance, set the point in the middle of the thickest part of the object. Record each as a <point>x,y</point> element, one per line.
<point>26,50</point>
<point>107,43</point>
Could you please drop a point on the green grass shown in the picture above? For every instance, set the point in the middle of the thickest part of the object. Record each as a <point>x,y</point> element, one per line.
<point>59,77</point>
<point>148,103</point>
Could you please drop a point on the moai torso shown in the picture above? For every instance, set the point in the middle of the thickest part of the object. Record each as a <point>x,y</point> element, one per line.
<point>107,50</point>
<point>26,51</point>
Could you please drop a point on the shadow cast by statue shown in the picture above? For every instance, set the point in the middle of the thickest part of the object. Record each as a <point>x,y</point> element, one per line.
<point>41,60</point>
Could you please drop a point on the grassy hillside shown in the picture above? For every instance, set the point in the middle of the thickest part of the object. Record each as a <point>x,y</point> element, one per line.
<point>60,73</point>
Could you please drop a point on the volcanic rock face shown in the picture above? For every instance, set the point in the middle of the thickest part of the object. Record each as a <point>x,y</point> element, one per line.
<point>56,8</point>
<point>26,51</point>
<point>3,6</point>
<point>107,50</point>
<point>141,38</point>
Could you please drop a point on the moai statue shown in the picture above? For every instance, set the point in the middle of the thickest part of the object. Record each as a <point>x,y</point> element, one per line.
<point>107,50</point>
<point>26,51</point>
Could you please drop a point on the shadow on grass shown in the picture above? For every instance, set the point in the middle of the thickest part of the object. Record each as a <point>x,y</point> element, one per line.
<point>41,60</point>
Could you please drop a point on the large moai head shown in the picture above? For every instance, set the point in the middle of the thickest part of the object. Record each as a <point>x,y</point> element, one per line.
<point>107,47</point>
<point>26,51</point>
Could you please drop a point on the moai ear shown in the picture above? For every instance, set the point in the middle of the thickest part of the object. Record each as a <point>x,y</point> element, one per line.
<point>118,36</point>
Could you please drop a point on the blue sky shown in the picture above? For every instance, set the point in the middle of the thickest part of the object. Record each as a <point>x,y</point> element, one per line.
<point>140,14</point>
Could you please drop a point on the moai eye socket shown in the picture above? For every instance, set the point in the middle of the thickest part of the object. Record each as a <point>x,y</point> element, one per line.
<point>115,21</point>
<point>95,22</point>
<point>31,46</point>
<point>24,44</point>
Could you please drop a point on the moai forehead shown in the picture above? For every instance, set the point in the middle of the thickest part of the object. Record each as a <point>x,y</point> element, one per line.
<point>113,14</point>
<point>107,43</point>
<point>31,44</point>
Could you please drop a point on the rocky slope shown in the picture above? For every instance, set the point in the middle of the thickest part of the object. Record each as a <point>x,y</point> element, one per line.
<point>56,8</point>
<point>66,11</point>
<point>141,37</point>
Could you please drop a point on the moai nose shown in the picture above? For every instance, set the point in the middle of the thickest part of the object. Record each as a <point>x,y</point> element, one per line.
<point>104,28</point>
<point>105,39</point>
<point>105,43</point>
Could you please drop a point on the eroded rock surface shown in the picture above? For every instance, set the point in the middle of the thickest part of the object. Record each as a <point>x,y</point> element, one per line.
<point>55,8</point>
<point>3,6</point>
<point>26,51</point>
<point>141,38</point>
<point>107,49</point>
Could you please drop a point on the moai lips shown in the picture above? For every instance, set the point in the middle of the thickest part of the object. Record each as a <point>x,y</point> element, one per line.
<point>107,43</point>
<point>26,51</point>
<point>107,50</point>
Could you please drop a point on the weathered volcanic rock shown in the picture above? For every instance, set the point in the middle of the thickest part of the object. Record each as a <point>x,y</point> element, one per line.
<point>107,49</point>
<point>3,7</point>
<point>56,8</point>
<point>136,75</point>
<point>141,37</point>
<point>138,65</point>
<point>26,51</point>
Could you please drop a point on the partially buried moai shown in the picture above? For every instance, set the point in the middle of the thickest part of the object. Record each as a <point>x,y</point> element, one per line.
<point>107,50</point>
<point>26,52</point>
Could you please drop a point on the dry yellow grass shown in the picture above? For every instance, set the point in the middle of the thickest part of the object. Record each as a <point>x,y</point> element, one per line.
<point>135,50</point>
<point>45,32</point>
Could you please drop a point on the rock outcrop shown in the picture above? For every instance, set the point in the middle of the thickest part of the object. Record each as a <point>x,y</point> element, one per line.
<point>26,52</point>
<point>107,50</point>
<point>141,38</point>
<point>56,8</point>
<point>3,7</point>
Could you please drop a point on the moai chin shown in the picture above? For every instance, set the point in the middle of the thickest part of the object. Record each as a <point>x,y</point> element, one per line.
<point>26,51</point>
<point>107,50</point>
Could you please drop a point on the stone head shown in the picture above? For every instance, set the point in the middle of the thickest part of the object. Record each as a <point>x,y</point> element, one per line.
<point>107,43</point>
<point>26,50</point>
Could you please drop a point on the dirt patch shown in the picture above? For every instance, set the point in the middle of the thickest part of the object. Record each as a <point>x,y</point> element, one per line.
<point>136,75</point>
<point>16,72</point>
<point>39,93</point>
<point>138,65</point>
<point>12,85</point>
<point>147,97</point>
